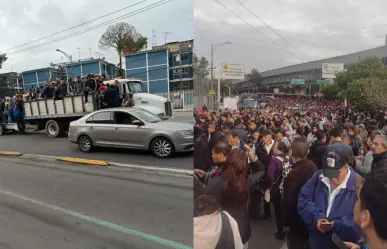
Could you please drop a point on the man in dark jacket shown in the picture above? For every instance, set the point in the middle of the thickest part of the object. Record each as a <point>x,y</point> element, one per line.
<point>303,170</point>
<point>109,96</point>
<point>264,151</point>
<point>379,151</point>
<point>240,131</point>
<point>318,149</point>
<point>214,136</point>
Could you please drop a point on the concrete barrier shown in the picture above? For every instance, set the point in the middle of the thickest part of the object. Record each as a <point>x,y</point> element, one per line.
<point>83,161</point>
<point>10,153</point>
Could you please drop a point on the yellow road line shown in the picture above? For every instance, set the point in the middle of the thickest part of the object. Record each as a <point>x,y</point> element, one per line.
<point>83,161</point>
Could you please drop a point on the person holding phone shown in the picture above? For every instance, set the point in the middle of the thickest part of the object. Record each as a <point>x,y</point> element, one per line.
<point>326,202</point>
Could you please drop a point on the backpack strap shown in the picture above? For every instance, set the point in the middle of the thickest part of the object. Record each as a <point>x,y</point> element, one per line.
<point>226,238</point>
<point>359,181</point>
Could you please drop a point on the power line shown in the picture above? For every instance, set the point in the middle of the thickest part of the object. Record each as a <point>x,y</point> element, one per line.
<point>144,9</point>
<point>257,30</point>
<point>267,25</point>
<point>48,36</point>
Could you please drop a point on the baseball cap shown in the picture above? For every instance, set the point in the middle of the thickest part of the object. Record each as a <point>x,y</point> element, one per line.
<point>335,161</point>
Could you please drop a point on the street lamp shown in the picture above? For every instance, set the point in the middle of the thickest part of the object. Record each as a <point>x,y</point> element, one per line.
<point>69,57</point>
<point>212,59</point>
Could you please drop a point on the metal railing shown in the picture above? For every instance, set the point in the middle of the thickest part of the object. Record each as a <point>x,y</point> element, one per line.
<point>181,100</point>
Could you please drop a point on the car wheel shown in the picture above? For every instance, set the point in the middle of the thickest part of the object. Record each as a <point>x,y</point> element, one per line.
<point>162,147</point>
<point>85,144</point>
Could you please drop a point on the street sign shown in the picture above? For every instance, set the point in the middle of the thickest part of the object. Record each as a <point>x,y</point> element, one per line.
<point>233,71</point>
<point>298,82</point>
<point>322,82</point>
<point>212,92</point>
<point>329,70</point>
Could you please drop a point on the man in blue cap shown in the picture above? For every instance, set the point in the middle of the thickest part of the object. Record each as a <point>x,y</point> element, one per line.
<point>326,202</point>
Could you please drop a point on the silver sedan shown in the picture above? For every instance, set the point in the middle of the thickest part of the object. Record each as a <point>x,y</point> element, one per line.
<point>131,128</point>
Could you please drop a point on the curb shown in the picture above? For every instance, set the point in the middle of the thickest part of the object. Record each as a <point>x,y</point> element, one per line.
<point>10,153</point>
<point>83,161</point>
<point>144,168</point>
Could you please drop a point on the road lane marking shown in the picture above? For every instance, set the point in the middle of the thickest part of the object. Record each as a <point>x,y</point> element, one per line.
<point>102,223</point>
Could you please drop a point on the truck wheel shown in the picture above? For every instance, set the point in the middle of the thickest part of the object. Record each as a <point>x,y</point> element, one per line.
<point>85,144</point>
<point>53,128</point>
<point>162,147</point>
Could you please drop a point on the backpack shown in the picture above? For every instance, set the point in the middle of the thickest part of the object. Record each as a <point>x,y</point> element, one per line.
<point>286,168</point>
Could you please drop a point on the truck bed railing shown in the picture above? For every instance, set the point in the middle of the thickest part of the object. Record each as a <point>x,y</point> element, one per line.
<point>70,106</point>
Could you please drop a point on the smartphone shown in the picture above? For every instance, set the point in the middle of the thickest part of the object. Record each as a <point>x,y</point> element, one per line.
<point>338,242</point>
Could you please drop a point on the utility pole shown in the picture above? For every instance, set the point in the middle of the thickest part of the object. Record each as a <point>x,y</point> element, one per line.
<point>79,54</point>
<point>212,66</point>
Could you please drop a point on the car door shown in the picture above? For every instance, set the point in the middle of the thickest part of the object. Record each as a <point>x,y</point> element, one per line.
<point>126,134</point>
<point>100,128</point>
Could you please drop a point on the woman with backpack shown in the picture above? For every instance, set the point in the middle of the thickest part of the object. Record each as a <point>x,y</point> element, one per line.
<point>278,163</point>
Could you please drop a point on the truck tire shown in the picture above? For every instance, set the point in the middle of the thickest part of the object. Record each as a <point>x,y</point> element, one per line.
<point>162,147</point>
<point>2,130</point>
<point>53,128</point>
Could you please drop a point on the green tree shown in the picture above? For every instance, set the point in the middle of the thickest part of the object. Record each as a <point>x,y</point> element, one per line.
<point>369,94</point>
<point>331,91</point>
<point>201,66</point>
<point>368,67</point>
<point>4,89</point>
<point>255,76</point>
<point>122,37</point>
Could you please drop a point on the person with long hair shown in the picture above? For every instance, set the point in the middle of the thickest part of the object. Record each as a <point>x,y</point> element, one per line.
<point>231,189</point>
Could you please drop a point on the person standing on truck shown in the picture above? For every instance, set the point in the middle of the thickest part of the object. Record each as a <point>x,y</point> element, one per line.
<point>19,116</point>
<point>109,96</point>
<point>11,107</point>
<point>117,97</point>
<point>90,86</point>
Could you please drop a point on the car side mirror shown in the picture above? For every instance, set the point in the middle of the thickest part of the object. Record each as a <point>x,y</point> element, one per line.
<point>137,122</point>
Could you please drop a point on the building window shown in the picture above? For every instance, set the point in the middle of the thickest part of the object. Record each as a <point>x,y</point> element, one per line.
<point>182,70</point>
<point>184,57</point>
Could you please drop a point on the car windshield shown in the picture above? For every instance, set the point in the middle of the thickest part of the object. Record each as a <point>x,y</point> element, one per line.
<point>147,116</point>
<point>135,87</point>
<point>249,103</point>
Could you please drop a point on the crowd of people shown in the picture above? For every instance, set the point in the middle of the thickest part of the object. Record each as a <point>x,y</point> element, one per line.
<point>106,96</point>
<point>320,166</point>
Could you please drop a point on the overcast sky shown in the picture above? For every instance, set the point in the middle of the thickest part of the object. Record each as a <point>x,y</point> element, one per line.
<point>317,28</point>
<point>22,21</point>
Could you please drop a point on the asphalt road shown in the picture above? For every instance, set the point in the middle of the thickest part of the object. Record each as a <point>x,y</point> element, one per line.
<point>40,143</point>
<point>55,205</point>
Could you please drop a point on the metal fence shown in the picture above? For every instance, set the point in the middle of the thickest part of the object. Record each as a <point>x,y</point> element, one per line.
<point>188,99</point>
<point>181,100</point>
<point>201,93</point>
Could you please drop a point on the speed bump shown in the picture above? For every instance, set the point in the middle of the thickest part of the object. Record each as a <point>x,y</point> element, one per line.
<point>10,153</point>
<point>83,161</point>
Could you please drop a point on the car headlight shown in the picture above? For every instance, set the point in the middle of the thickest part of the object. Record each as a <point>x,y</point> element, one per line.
<point>185,133</point>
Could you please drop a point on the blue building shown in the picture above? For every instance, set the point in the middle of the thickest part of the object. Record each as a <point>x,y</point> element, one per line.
<point>91,66</point>
<point>164,68</point>
<point>38,77</point>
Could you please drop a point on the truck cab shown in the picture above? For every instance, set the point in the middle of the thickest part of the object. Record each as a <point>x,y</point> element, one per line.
<point>155,104</point>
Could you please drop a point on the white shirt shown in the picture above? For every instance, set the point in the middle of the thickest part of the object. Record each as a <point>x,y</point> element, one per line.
<point>334,193</point>
<point>268,147</point>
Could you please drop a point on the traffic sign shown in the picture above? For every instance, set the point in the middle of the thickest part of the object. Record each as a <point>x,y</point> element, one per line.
<point>298,82</point>
<point>322,82</point>
<point>212,92</point>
